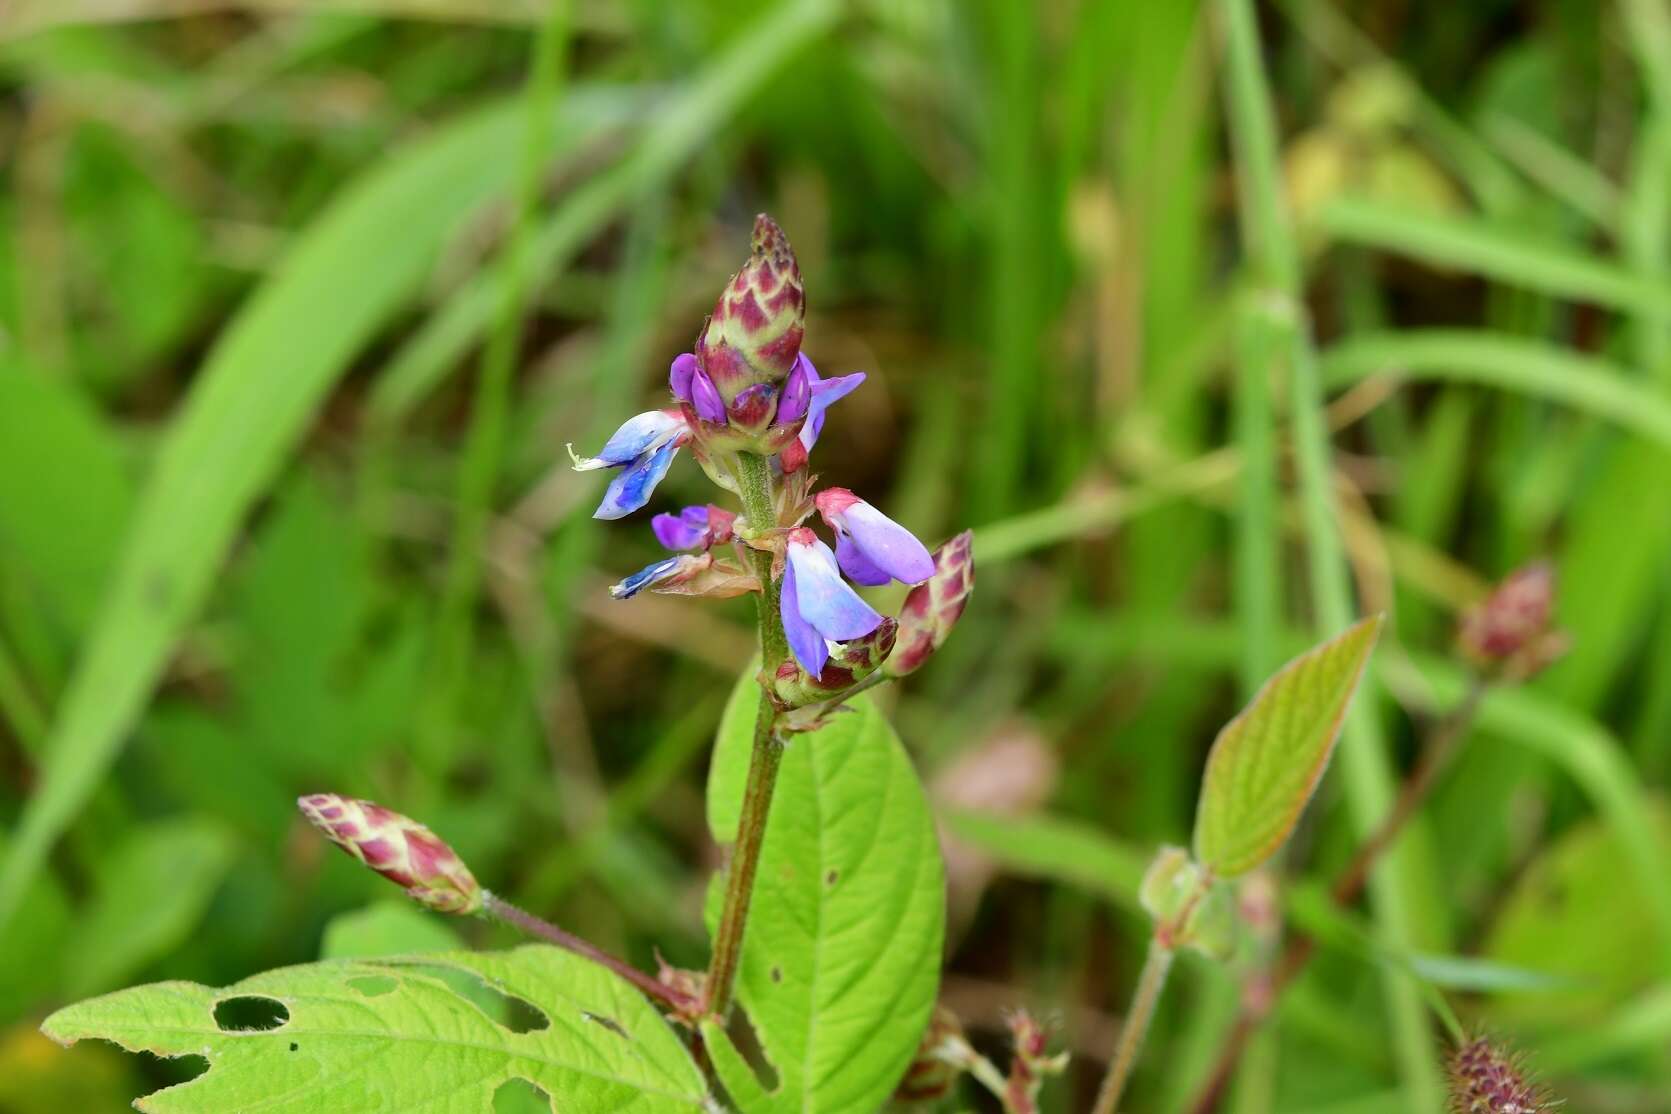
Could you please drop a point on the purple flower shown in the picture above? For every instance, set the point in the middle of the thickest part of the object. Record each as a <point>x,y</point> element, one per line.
<point>643,449</point>
<point>817,605</point>
<point>821,395</point>
<point>871,547</point>
<point>691,384</point>
<point>694,527</point>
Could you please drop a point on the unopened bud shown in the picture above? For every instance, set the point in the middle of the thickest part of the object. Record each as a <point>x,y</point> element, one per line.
<point>397,847</point>
<point>1511,629</point>
<point>933,607</point>
<point>755,332</point>
<point>1484,1079</point>
<point>849,664</point>
<point>1190,909</point>
<point>943,1055</point>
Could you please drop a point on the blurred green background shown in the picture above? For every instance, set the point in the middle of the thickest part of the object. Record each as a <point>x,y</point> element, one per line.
<point>284,504</point>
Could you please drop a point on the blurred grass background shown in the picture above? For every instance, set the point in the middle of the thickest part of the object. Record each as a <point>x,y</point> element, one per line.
<point>303,300</point>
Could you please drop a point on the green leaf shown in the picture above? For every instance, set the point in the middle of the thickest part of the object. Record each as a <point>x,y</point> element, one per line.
<point>841,963</point>
<point>363,259</point>
<point>391,1035</point>
<point>386,928</point>
<point>152,891</point>
<point>1267,761</point>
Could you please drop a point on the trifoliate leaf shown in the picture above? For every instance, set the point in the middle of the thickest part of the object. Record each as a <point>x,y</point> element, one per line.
<point>385,1035</point>
<point>1267,761</point>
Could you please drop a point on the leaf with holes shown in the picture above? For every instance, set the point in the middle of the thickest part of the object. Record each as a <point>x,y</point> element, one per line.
<point>385,1035</point>
<point>841,963</point>
<point>1267,761</point>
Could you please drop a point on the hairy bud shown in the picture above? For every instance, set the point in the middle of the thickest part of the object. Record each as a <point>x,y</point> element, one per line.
<point>755,332</point>
<point>933,607</point>
<point>397,847</point>
<point>1511,629</point>
<point>1486,1080</point>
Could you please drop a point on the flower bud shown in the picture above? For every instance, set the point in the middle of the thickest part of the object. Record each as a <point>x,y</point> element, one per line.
<point>397,847</point>
<point>855,660</point>
<point>755,332</point>
<point>1486,1080</point>
<point>933,607</point>
<point>1511,629</point>
<point>1190,910</point>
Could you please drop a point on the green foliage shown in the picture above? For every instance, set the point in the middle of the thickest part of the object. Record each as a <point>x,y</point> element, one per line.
<point>388,1035</point>
<point>841,963</point>
<point>1266,763</point>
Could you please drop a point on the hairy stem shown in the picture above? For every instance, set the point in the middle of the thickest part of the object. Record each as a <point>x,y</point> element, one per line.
<point>501,910</point>
<point>1437,752</point>
<point>1156,966</point>
<point>758,507</point>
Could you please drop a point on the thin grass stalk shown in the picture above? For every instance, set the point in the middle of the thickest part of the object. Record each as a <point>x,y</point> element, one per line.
<point>490,406</point>
<point>1274,256</point>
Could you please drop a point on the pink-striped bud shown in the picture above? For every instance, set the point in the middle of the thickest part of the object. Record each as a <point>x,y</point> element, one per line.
<point>397,847</point>
<point>933,607</point>
<point>1486,1080</point>
<point>1512,629</point>
<point>755,332</point>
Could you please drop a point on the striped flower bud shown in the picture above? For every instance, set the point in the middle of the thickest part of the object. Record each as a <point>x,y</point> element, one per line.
<point>1486,1080</point>
<point>397,847</point>
<point>1512,629</point>
<point>755,332</point>
<point>933,607</point>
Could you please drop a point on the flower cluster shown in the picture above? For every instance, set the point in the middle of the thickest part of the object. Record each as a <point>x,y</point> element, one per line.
<point>749,389</point>
<point>1485,1079</point>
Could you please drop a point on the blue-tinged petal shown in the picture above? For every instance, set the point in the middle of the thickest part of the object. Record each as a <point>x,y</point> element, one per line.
<point>887,545</point>
<point>640,434</point>
<point>646,577</point>
<point>824,598</point>
<point>685,530</point>
<point>631,489</point>
<point>804,642</point>
<point>825,393</point>
<point>855,564</point>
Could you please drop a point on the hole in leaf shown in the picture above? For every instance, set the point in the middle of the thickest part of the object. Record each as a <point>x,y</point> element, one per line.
<point>747,1042</point>
<point>373,986</point>
<point>249,1014</point>
<point>294,1047</point>
<point>513,1013</point>
<point>777,974</point>
<point>518,1096</point>
<point>832,877</point>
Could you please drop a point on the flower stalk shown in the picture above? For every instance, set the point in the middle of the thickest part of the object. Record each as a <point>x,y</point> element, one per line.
<point>766,755</point>
<point>1157,965</point>
<point>520,919</point>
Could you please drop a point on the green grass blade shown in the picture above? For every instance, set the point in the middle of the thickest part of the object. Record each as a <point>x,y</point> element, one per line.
<point>1530,367</point>
<point>484,445</point>
<point>1508,256</point>
<point>250,404</point>
<point>1363,760</point>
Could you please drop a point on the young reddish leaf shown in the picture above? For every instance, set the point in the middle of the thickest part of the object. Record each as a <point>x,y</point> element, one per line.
<point>1267,761</point>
